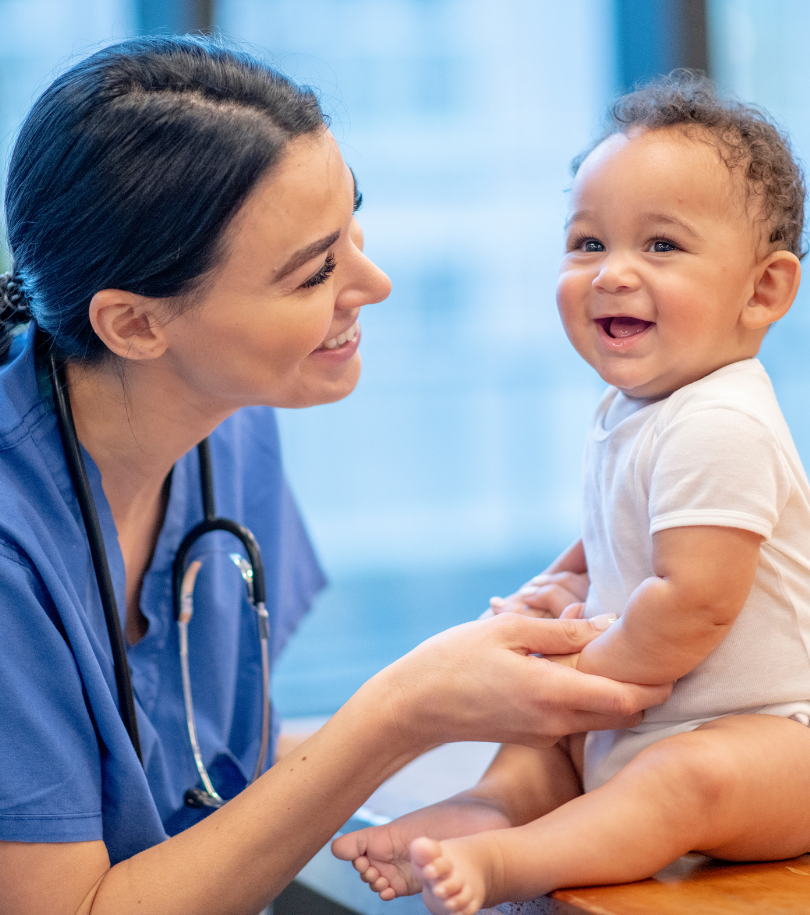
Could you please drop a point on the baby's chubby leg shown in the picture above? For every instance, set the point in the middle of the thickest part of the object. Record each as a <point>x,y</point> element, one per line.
<point>735,788</point>
<point>521,784</point>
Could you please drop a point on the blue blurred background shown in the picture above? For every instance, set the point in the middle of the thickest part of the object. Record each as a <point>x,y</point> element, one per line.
<point>453,471</point>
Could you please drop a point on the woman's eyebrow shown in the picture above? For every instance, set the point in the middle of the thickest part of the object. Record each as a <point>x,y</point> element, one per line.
<point>306,254</point>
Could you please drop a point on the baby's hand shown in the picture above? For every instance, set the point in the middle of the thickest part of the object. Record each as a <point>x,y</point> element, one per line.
<point>547,595</point>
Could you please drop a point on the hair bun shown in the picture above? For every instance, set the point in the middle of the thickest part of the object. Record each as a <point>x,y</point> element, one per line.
<point>14,305</point>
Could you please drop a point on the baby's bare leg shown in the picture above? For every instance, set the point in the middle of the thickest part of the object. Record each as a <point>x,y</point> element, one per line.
<point>520,785</point>
<point>735,788</point>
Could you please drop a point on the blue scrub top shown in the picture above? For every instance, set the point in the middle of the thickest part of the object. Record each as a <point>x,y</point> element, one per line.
<point>69,772</point>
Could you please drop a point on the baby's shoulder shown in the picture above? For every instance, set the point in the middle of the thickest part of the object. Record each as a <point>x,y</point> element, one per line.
<point>741,389</point>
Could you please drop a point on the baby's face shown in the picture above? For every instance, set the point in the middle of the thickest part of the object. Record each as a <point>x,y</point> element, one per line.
<point>661,258</point>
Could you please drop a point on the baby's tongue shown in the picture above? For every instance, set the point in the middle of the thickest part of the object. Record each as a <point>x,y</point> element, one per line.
<point>627,327</point>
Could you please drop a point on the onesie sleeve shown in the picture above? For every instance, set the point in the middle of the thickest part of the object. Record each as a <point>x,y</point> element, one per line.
<point>50,789</point>
<point>719,466</point>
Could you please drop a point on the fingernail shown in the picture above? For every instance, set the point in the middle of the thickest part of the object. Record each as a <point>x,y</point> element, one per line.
<point>496,602</point>
<point>538,579</point>
<point>604,621</point>
<point>526,590</point>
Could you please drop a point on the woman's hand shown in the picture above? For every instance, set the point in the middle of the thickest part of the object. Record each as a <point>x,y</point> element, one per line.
<point>480,681</point>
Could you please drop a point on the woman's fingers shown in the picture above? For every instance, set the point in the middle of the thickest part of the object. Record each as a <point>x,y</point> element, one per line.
<point>480,681</point>
<point>588,703</point>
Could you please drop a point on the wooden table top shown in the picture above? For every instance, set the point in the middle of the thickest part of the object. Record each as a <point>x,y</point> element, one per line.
<point>698,886</point>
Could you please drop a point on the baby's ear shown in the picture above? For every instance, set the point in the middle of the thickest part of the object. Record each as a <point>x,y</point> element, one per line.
<point>777,283</point>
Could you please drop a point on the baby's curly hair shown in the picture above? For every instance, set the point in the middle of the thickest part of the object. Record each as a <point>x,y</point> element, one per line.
<point>745,138</point>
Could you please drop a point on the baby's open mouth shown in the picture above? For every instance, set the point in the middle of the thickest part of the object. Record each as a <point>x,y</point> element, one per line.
<point>623,326</point>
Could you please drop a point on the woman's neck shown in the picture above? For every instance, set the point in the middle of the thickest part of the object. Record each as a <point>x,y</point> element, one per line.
<point>136,425</point>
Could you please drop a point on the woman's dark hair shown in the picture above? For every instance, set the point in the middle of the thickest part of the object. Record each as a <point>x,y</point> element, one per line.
<point>129,168</point>
<point>744,136</point>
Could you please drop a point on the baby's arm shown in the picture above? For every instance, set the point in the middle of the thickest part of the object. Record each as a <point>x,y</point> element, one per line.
<point>703,576</point>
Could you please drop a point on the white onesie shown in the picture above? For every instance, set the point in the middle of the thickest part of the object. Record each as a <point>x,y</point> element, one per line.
<point>716,452</point>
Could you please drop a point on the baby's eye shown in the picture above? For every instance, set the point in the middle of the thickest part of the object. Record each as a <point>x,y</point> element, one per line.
<point>587,245</point>
<point>662,246</point>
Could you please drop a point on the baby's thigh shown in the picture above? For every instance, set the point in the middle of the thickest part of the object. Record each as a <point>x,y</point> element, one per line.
<point>751,776</point>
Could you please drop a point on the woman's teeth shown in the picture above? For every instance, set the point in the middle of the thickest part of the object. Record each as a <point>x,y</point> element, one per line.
<point>346,337</point>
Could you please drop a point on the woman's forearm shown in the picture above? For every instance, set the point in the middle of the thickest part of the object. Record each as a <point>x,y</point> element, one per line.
<point>244,854</point>
<point>479,681</point>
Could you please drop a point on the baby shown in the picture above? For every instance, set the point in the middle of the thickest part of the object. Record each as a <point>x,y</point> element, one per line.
<point>682,248</point>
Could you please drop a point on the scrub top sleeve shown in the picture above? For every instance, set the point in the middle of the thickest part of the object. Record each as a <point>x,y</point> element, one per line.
<point>50,790</point>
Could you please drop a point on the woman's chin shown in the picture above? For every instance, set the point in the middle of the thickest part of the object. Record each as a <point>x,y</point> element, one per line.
<point>337,382</point>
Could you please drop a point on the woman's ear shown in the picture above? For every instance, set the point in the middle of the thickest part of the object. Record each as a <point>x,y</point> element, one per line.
<point>128,324</point>
<point>775,289</point>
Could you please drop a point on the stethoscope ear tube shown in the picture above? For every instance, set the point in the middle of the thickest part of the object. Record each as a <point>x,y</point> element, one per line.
<point>81,486</point>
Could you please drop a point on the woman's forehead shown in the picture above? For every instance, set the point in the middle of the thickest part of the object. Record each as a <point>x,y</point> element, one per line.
<point>305,198</point>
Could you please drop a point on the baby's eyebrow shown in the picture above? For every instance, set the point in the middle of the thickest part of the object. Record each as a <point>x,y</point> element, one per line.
<point>673,221</point>
<point>576,217</point>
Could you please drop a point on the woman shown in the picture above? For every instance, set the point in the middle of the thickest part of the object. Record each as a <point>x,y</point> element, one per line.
<point>181,223</point>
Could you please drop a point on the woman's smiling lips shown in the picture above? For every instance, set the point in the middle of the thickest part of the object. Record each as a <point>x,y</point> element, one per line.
<point>622,331</point>
<point>341,347</point>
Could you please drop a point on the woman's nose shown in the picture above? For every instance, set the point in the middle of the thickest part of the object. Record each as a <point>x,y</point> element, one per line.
<point>616,274</point>
<point>367,283</point>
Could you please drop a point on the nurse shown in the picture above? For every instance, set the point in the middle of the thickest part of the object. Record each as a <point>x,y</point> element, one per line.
<point>184,247</point>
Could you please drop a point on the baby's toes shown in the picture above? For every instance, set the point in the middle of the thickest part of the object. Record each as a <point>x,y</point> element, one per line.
<point>361,864</point>
<point>448,886</point>
<point>438,869</point>
<point>463,902</point>
<point>380,884</point>
<point>388,894</point>
<point>370,874</point>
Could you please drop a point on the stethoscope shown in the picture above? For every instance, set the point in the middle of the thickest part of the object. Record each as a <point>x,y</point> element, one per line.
<point>183,579</point>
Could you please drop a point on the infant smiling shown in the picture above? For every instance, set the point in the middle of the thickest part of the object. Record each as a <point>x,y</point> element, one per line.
<point>682,248</point>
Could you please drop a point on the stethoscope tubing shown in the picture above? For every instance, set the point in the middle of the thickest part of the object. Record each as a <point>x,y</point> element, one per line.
<point>183,579</point>
<point>95,539</point>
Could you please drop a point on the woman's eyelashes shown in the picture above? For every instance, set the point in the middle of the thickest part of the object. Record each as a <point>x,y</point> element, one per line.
<point>323,274</point>
<point>358,197</point>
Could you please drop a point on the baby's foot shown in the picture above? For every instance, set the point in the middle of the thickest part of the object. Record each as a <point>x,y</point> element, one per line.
<point>452,873</point>
<point>381,854</point>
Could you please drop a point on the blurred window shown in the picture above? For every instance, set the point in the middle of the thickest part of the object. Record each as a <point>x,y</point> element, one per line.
<point>758,50</point>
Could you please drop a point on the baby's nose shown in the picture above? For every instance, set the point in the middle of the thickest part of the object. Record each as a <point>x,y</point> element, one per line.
<point>617,273</point>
